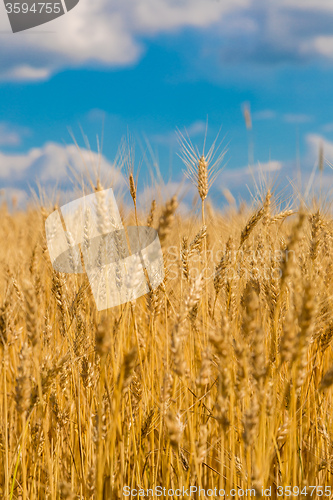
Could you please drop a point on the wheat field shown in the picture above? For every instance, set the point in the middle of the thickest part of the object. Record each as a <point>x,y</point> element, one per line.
<point>219,378</point>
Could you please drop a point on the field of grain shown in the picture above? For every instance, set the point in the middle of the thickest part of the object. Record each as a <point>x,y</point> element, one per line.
<point>220,378</point>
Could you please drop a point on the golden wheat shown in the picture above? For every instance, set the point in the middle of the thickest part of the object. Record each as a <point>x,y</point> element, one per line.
<point>221,377</point>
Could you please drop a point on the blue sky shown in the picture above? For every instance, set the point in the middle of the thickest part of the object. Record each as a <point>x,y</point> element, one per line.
<point>150,66</point>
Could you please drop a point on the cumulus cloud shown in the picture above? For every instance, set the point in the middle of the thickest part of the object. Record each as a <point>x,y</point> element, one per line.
<point>324,45</point>
<point>277,32</point>
<point>104,33</point>
<point>238,177</point>
<point>49,166</point>
<point>314,143</point>
<point>294,180</point>
<point>100,32</point>
<point>54,164</point>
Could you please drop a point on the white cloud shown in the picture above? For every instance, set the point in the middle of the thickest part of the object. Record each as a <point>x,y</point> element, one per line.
<point>233,177</point>
<point>196,128</point>
<point>104,33</point>
<point>287,178</point>
<point>184,191</point>
<point>247,182</point>
<point>101,32</point>
<point>14,197</point>
<point>170,138</point>
<point>307,4</point>
<point>289,31</point>
<point>10,136</point>
<point>328,127</point>
<point>265,114</point>
<point>314,143</point>
<point>49,164</point>
<point>25,73</point>
<point>290,182</point>
<point>46,168</point>
<point>324,46</point>
<point>312,182</point>
<point>161,15</point>
<point>13,166</point>
<point>297,118</point>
